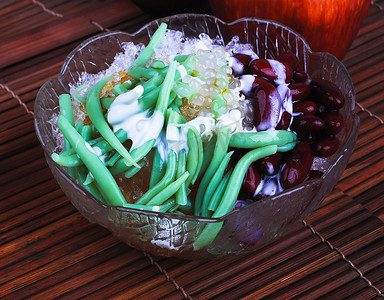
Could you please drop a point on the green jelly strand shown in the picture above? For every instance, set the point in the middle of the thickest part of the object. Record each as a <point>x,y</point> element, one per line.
<point>236,179</point>
<point>101,174</point>
<point>181,194</point>
<point>252,140</point>
<point>105,147</point>
<point>208,149</point>
<point>169,176</point>
<point>231,192</point>
<point>137,154</point>
<point>76,96</point>
<point>219,153</point>
<point>158,168</point>
<point>95,113</point>
<point>169,190</point>
<point>133,170</point>
<point>119,89</point>
<point>147,53</point>
<point>93,187</point>
<point>219,192</point>
<point>215,181</point>
<point>66,111</point>
<point>106,102</point>
<point>68,161</point>
<point>166,88</point>
<point>152,83</point>
<point>149,99</point>
<point>130,84</point>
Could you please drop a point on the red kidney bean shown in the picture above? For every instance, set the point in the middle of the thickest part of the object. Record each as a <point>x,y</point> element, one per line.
<point>299,91</point>
<point>270,165</point>
<point>334,122</point>
<point>308,136</point>
<point>326,146</point>
<point>327,94</point>
<point>266,107</point>
<point>249,85</point>
<point>242,64</point>
<point>297,166</point>
<point>251,180</point>
<point>313,174</point>
<point>262,67</point>
<point>307,124</point>
<point>271,69</point>
<point>257,82</point>
<point>305,107</point>
<point>290,59</point>
<point>245,59</point>
<point>285,121</point>
<point>299,76</point>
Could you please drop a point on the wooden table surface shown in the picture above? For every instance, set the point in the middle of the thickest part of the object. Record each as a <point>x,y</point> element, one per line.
<point>48,250</point>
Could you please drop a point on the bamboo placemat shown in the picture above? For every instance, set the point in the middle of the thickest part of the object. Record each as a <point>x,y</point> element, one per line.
<point>48,250</point>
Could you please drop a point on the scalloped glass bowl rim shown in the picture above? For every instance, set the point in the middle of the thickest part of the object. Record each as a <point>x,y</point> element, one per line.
<point>235,211</point>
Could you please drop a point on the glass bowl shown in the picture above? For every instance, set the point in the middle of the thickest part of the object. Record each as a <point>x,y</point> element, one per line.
<point>243,230</point>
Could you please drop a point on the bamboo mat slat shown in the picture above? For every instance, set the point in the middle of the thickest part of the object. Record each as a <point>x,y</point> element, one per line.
<point>48,250</point>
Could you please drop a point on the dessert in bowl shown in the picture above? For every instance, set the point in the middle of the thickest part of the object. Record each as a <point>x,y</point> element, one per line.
<point>213,206</point>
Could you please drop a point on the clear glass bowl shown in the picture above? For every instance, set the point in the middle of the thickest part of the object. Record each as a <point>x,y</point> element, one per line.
<point>243,230</point>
